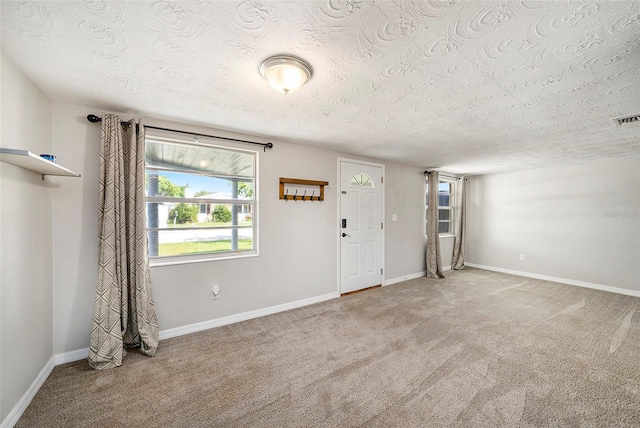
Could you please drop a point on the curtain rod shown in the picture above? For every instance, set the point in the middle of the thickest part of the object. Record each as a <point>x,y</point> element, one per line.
<point>95,119</point>
<point>445,175</point>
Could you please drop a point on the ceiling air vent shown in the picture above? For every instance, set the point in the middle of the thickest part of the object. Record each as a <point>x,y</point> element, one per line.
<point>625,120</point>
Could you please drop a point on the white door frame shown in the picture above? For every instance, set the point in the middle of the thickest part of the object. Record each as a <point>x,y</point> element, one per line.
<point>339,215</point>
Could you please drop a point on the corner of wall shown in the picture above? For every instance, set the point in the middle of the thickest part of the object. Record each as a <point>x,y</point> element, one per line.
<point>26,282</point>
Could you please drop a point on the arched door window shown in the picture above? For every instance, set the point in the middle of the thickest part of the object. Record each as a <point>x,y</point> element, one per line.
<point>362,179</point>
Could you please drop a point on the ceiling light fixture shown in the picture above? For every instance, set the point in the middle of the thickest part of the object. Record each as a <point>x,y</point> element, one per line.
<point>286,73</point>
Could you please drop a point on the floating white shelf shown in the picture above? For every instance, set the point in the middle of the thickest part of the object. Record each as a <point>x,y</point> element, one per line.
<point>26,159</point>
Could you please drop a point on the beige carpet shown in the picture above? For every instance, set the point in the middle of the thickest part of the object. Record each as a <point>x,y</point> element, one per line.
<point>478,349</point>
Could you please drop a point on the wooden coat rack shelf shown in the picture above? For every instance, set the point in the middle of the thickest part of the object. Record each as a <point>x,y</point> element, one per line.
<point>304,196</point>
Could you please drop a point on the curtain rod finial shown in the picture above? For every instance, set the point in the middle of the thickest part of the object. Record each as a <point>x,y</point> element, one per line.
<point>93,118</point>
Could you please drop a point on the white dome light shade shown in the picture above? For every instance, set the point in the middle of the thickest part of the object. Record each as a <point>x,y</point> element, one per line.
<point>286,73</point>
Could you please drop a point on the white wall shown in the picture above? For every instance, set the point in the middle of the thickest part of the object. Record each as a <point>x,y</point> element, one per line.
<point>560,219</point>
<point>75,233</point>
<point>297,240</point>
<point>26,335</point>
<point>405,238</point>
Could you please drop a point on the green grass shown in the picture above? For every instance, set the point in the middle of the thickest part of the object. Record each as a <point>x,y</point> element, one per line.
<point>179,248</point>
<point>206,224</point>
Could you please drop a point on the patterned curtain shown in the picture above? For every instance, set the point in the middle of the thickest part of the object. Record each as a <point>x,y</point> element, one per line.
<point>124,314</point>
<point>459,246</point>
<point>434,259</point>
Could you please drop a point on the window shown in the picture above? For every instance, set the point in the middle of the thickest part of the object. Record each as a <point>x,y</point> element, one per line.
<point>362,179</point>
<point>446,190</point>
<point>200,201</point>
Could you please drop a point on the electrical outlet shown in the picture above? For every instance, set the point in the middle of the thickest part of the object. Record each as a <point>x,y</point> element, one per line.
<point>215,292</point>
<point>523,257</point>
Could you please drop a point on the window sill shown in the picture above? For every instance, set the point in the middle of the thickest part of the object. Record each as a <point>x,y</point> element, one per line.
<point>444,235</point>
<point>160,263</point>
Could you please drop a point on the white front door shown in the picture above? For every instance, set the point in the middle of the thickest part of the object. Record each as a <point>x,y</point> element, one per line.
<point>360,226</point>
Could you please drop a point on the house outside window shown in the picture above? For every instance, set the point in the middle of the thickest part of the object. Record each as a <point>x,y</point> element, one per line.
<point>201,200</point>
<point>446,208</point>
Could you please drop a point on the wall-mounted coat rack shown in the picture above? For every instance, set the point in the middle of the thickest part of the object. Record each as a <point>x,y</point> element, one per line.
<point>304,195</point>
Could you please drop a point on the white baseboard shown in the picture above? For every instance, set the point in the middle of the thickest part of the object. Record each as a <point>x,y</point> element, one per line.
<point>408,277</point>
<point>403,278</point>
<point>577,283</point>
<point>23,403</point>
<point>81,354</point>
<point>218,322</point>
<point>69,357</point>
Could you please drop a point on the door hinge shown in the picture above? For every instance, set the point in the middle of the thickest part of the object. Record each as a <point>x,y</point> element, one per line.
<point>381,271</point>
<point>382,180</point>
<point>381,225</point>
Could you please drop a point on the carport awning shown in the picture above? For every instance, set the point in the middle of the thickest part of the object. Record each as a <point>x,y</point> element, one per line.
<point>209,160</point>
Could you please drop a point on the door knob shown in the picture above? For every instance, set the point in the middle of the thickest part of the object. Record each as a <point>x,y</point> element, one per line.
<point>345,234</point>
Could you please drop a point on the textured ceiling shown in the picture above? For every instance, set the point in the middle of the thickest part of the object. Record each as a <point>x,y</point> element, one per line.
<point>466,86</point>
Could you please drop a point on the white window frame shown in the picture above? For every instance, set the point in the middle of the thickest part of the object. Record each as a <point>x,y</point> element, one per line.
<point>452,208</point>
<point>213,256</point>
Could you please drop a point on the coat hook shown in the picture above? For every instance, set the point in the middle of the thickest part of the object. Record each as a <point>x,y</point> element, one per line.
<point>304,195</point>
<point>286,195</point>
<point>295,197</point>
<point>312,195</point>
